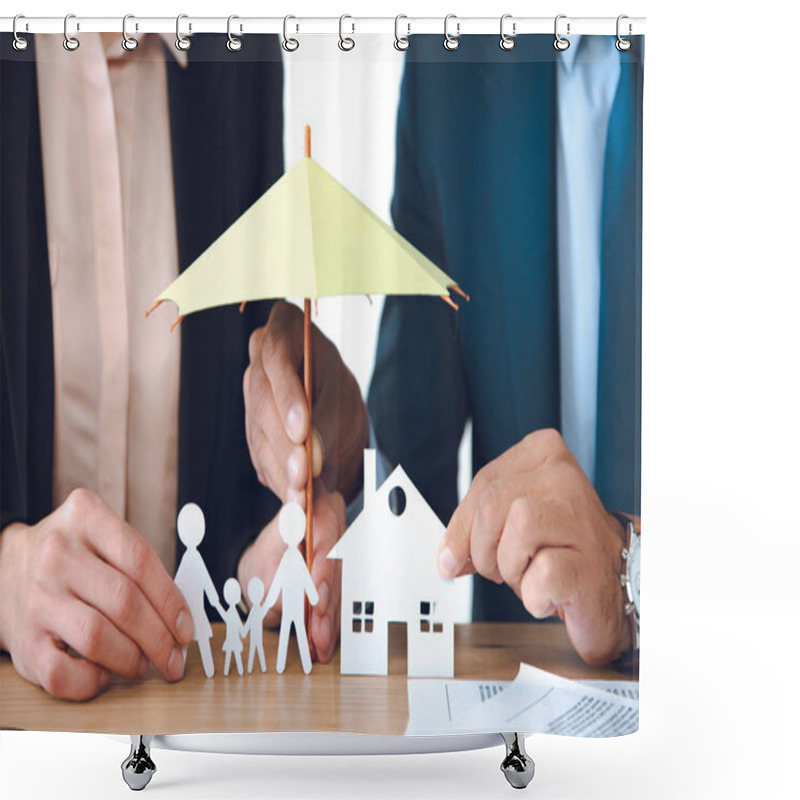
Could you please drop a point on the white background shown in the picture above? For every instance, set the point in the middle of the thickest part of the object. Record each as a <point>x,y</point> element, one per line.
<point>721,436</point>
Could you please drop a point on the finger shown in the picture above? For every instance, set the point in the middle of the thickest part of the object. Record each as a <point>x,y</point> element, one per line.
<point>67,677</point>
<point>281,357</point>
<point>455,551</point>
<point>528,527</point>
<point>473,534</point>
<point>282,464</point>
<point>121,602</point>
<point>125,549</point>
<point>550,582</point>
<point>91,634</point>
<point>261,560</point>
<point>329,524</point>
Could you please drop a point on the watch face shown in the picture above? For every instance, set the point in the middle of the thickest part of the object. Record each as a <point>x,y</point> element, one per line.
<point>633,570</point>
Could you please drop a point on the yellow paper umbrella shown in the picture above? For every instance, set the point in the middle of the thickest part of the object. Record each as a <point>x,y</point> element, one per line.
<point>307,236</point>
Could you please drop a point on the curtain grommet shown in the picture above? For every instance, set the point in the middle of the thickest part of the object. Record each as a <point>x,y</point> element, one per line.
<point>560,43</point>
<point>70,43</point>
<point>401,43</point>
<point>19,43</point>
<point>182,42</point>
<point>290,44</point>
<point>129,43</point>
<point>234,43</point>
<point>507,42</point>
<point>451,42</point>
<point>622,44</point>
<point>346,43</point>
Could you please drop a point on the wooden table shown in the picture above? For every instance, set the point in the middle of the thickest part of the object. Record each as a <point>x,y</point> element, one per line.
<point>322,701</point>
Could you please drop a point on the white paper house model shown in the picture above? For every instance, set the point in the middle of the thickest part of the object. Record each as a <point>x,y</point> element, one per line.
<point>389,574</point>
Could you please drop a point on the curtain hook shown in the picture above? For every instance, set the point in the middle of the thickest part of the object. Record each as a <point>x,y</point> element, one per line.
<point>289,43</point>
<point>20,43</point>
<point>345,42</point>
<point>560,42</point>
<point>234,44</point>
<point>507,42</point>
<point>623,44</point>
<point>401,42</point>
<point>181,41</point>
<point>70,43</point>
<point>451,42</point>
<point>128,42</point>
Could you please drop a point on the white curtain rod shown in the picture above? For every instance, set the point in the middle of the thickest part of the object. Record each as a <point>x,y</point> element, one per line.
<point>299,26</point>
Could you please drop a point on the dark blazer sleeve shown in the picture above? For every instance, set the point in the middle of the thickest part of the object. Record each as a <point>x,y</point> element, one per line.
<point>417,397</point>
<point>26,336</point>
<point>227,149</point>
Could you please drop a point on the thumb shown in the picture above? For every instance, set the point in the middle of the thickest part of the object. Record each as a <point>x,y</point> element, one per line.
<point>453,559</point>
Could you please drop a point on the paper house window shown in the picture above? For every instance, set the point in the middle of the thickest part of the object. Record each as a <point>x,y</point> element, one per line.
<point>397,501</point>
<point>427,623</point>
<point>363,616</point>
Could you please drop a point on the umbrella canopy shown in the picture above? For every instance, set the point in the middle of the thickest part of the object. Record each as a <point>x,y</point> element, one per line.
<point>307,236</point>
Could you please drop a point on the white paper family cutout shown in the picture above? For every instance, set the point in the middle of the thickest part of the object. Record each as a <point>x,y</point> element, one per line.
<point>193,580</point>
<point>292,580</point>
<point>389,574</point>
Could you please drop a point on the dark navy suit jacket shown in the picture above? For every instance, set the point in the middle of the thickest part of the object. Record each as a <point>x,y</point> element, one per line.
<point>475,190</point>
<point>227,147</point>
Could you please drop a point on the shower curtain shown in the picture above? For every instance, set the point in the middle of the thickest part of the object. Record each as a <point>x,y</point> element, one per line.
<point>472,563</point>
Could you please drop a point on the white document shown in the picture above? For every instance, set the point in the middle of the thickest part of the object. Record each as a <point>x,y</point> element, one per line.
<point>536,702</point>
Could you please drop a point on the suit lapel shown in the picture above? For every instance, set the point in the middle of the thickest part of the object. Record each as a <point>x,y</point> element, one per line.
<point>618,467</point>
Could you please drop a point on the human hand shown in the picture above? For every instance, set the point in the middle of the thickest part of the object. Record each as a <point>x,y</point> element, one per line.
<point>83,578</point>
<point>533,520</point>
<point>276,412</point>
<point>263,558</point>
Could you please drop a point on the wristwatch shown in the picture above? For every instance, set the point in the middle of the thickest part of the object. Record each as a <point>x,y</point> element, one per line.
<point>630,579</point>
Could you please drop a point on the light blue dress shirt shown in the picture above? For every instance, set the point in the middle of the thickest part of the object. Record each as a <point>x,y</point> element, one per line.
<point>586,87</point>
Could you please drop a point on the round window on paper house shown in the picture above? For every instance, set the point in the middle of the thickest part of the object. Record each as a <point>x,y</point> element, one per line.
<point>397,501</point>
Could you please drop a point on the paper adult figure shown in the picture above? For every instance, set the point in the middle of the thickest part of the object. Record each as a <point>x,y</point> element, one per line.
<point>255,623</point>
<point>193,580</point>
<point>293,580</point>
<point>233,625</point>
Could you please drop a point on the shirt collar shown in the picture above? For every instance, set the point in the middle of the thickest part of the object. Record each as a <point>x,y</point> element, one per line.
<point>591,48</point>
<point>167,40</point>
<point>566,58</point>
<point>181,56</point>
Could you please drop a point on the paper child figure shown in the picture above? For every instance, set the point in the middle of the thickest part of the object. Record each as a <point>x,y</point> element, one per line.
<point>193,580</point>
<point>255,623</point>
<point>294,581</point>
<point>233,625</point>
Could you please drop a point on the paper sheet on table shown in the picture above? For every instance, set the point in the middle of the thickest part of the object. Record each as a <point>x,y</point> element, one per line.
<point>535,702</point>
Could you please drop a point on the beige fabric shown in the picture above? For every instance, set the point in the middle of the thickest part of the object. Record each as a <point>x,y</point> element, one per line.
<point>112,245</point>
